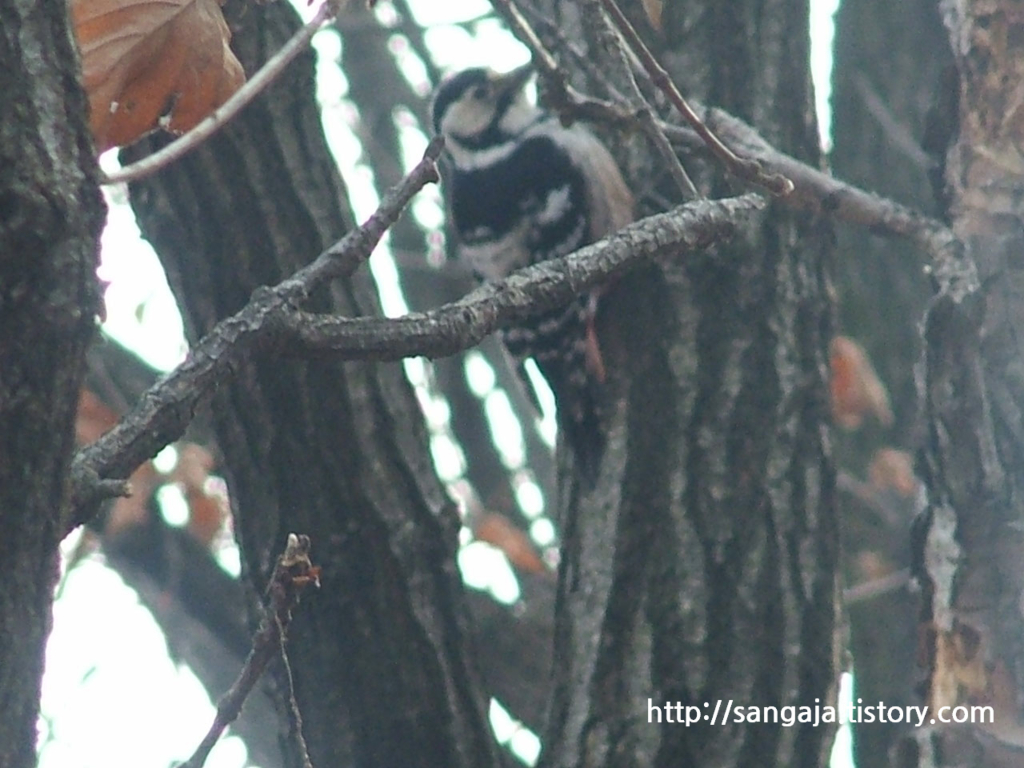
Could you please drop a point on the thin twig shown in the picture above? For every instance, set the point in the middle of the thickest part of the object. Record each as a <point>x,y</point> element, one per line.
<point>608,48</point>
<point>165,410</point>
<point>657,137</point>
<point>744,168</point>
<point>571,104</point>
<point>545,63</point>
<point>292,574</point>
<point>892,127</point>
<point>293,706</point>
<point>269,72</point>
<point>545,27</point>
<point>869,590</point>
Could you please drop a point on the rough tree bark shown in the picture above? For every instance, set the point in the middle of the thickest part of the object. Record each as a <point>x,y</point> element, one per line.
<point>702,566</point>
<point>973,390</point>
<point>51,214</point>
<point>381,666</point>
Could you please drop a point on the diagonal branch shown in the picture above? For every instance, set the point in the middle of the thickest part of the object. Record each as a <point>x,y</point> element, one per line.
<point>741,167</point>
<point>815,190</point>
<point>563,94</point>
<point>527,293</point>
<point>820,193</point>
<point>165,410</point>
<point>272,320</point>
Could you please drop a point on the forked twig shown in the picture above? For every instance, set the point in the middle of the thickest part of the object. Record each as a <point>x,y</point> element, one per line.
<point>571,104</point>
<point>292,574</point>
<point>744,168</point>
<point>165,410</point>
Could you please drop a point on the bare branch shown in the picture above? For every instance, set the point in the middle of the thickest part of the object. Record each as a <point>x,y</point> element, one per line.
<point>253,87</point>
<point>820,193</point>
<point>571,104</point>
<point>527,293</point>
<point>567,101</point>
<point>272,319</point>
<point>165,410</point>
<point>741,167</point>
<point>814,190</point>
<point>892,127</point>
<point>650,126</point>
<point>292,574</point>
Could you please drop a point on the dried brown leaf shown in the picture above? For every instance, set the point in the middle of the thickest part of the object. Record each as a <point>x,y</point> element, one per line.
<point>856,388</point>
<point>153,63</point>
<point>892,469</point>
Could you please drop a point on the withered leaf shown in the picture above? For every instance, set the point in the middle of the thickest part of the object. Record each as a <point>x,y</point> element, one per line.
<point>856,388</point>
<point>152,63</point>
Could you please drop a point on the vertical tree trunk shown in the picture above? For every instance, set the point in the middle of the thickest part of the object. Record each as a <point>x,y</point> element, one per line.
<point>972,568</point>
<point>338,451</point>
<point>50,218</point>
<point>702,567</point>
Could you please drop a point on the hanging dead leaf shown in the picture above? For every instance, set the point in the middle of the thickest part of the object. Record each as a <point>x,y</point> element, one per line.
<point>856,388</point>
<point>93,419</point>
<point>206,511</point>
<point>152,63</point>
<point>892,469</point>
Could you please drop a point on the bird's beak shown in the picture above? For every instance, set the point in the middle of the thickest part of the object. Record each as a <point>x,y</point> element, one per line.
<point>513,81</point>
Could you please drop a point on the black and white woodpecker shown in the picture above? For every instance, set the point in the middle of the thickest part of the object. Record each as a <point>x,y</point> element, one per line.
<point>522,188</point>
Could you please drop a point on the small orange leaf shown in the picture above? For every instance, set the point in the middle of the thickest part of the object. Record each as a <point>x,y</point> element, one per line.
<point>193,467</point>
<point>497,531</point>
<point>891,469</point>
<point>855,387</point>
<point>206,511</point>
<point>93,419</point>
<point>152,63</point>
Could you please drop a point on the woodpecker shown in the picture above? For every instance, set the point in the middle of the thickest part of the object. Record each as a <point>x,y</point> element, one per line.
<point>522,188</point>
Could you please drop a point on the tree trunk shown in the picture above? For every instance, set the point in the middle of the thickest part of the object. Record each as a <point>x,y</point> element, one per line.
<point>337,451</point>
<point>702,566</point>
<point>50,218</point>
<point>971,565</point>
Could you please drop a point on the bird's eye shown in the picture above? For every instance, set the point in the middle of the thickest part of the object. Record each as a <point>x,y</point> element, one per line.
<point>482,92</point>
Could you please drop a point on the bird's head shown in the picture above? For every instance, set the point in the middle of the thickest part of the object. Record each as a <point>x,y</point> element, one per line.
<point>479,108</point>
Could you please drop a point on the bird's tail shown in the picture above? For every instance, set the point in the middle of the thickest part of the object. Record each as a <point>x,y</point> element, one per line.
<point>565,349</point>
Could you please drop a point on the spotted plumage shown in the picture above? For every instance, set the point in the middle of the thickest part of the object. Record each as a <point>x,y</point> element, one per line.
<point>522,188</point>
